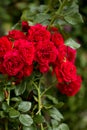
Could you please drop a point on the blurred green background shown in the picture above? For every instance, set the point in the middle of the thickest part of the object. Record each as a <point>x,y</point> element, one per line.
<point>75,108</point>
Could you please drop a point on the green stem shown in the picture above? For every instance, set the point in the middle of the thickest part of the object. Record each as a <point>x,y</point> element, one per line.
<point>40,105</point>
<point>8,99</point>
<point>39,102</point>
<point>42,128</point>
<point>8,102</point>
<point>6,124</point>
<point>57,13</point>
<point>61,7</point>
<point>50,3</point>
<point>35,85</point>
<point>48,88</point>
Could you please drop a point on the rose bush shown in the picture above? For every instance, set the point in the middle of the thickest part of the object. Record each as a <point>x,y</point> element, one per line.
<point>36,61</point>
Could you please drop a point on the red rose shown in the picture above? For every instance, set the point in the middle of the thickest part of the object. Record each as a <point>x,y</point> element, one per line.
<point>5,46</point>
<point>16,34</point>
<point>66,71</point>
<point>26,71</point>
<point>26,49</point>
<point>13,63</point>
<point>71,54</point>
<point>70,89</point>
<point>25,26</point>
<point>2,69</point>
<point>46,52</point>
<point>61,53</point>
<point>38,33</point>
<point>57,39</point>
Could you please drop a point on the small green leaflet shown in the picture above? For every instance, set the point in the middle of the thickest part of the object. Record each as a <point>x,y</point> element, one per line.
<point>26,119</point>
<point>24,106</point>
<point>71,43</point>
<point>74,18</point>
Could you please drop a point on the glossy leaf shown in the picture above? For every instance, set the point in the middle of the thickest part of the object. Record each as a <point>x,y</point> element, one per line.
<point>29,128</point>
<point>16,99</point>
<point>26,119</point>
<point>5,106</point>
<point>38,119</point>
<point>19,89</point>
<point>55,114</point>
<point>74,18</point>
<point>41,17</point>
<point>24,106</point>
<point>2,115</point>
<point>53,99</point>
<point>54,124</point>
<point>71,43</point>
<point>2,97</point>
<point>13,113</point>
<point>63,126</point>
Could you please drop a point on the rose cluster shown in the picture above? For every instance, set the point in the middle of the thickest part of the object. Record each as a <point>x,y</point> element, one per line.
<point>36,47</point>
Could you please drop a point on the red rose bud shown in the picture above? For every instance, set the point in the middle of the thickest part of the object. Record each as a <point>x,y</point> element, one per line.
<point>25,26</point>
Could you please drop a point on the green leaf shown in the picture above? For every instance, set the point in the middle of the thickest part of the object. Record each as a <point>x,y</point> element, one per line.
<point>2,97</point>
<point>74,18</point>
<point>59,105</point>
<point>55,114</point>
<point>19,89</point>
<point>42,8</point>
<point>73,44</point>
<point>2,115</point>
<point>16,99</point>
<point>38,119</point>
<point>13,113</point>
<point>24,106</point>
<point>29,128</point>
<point>25,119</point>
<point>28,15</point>
<point>55,124</point>
<point>5,106</point>
<point>41,17</point>
<point>63,126</point>
<point>53,99</point>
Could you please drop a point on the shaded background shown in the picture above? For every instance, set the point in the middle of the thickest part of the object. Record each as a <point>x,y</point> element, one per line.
<point>75,108</point>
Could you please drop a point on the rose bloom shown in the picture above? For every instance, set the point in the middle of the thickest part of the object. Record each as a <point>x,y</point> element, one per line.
<point>13,63</point>
<point>38,33</point>
<point>26,71</point>
<point>5,46</point>
<point>16,34</point>
<point>70,89</point>
<point>71,54</point>
<point>61,56</point>
<point>26,49</point>
<point>57,39</point>
<point>61,53</point>
<point>46,52</point>
<point>66,71</point>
